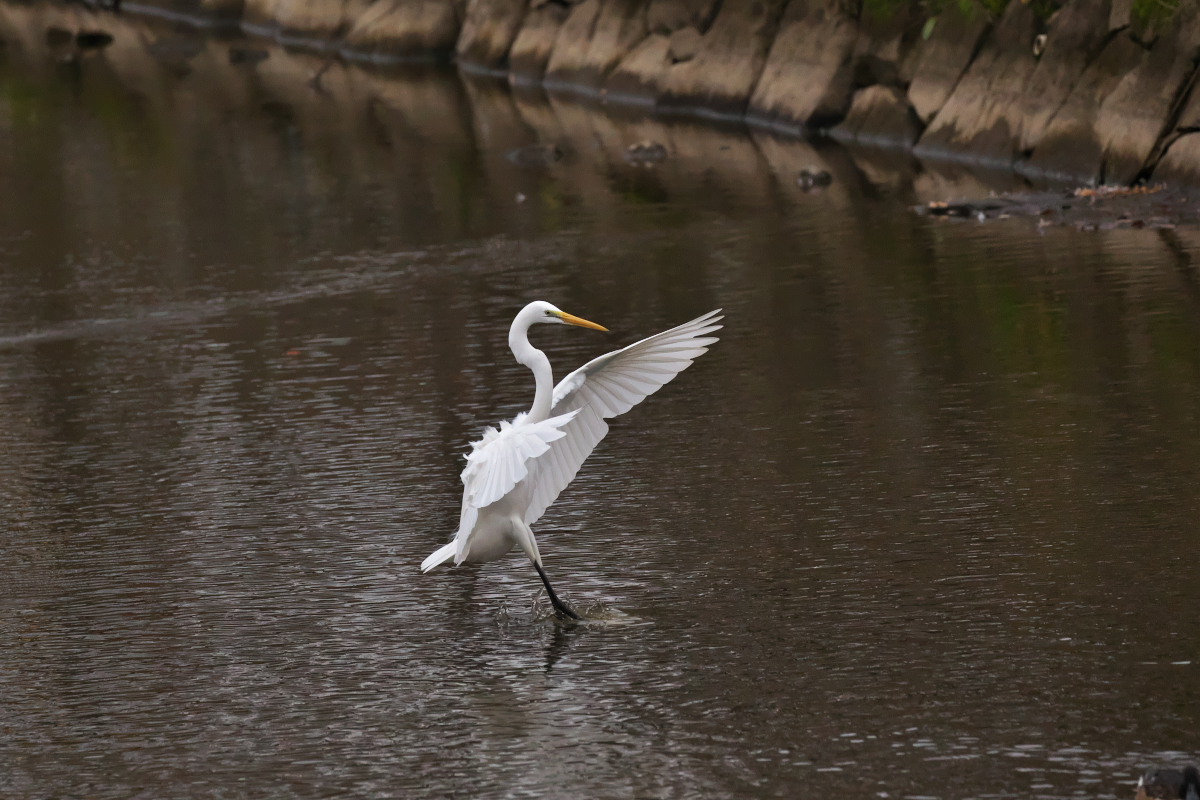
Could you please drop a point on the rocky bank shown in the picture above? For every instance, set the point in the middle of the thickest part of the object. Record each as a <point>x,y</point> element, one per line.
<point>1082,96</point>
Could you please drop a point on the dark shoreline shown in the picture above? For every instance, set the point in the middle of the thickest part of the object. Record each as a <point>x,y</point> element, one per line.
<point>312,68</point>
<point>1078,97</point>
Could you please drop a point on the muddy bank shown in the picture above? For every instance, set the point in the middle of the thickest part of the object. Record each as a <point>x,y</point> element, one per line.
<point>1083,96</point>
<point>1099,208</point>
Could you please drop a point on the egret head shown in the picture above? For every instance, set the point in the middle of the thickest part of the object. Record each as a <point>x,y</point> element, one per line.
<point>541,311</point>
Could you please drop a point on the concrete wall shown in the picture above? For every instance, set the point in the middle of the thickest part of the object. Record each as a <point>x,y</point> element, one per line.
<point>1080,97</point>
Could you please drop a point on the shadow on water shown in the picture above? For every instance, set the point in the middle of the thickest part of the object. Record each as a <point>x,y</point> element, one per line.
<point>921,524</point>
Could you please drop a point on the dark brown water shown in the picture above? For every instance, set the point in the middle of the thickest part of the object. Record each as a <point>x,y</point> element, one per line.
<point>924,523</point>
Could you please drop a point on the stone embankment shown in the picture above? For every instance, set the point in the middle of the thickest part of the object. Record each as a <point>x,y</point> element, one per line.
<point>1083,96</point>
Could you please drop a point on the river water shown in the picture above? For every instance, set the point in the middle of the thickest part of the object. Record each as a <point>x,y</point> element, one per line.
<point>923,524</point>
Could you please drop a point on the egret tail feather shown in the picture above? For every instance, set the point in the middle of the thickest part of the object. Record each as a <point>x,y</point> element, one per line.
<point>439,556</point>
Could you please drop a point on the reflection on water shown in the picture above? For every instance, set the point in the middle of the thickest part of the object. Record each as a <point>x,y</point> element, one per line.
<point>923,524</point>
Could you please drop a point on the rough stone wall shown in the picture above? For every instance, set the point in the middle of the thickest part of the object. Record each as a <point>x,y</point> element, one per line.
<point>1077,97</point>
<point>404,28</point>
<point>809,75</point>
<point>591,41</point>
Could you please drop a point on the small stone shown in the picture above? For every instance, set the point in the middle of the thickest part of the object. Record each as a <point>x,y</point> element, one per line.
<point>645,153</point>
<point>535,156</point>
<point>812,179</point>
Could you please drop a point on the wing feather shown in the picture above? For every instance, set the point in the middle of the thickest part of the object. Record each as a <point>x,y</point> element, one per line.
<point>502,459</point>
<point>607,387</point>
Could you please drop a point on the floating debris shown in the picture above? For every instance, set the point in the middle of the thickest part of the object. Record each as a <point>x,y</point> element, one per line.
<point>939,208</point>
<point>1118,191</point>
<point>1085,208</point>
<point>811,179</point>
<point>535,156</point>
<point>646,153</point>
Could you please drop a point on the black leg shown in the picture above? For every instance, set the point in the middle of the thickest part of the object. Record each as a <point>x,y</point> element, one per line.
<point>559,605</point>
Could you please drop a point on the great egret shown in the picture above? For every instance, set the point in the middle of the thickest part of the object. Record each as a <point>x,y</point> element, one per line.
<point>515,472</point>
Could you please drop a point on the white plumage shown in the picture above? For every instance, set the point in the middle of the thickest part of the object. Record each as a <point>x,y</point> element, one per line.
<point>515,472</point>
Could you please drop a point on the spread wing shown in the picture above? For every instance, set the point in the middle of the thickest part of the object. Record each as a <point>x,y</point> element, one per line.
<point>605,387</point>
<point>502,459</point>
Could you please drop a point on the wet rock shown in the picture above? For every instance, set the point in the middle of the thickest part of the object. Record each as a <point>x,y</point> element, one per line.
<point>596,35</point>
<point>728,63</point>
<point>808,78</point>
<point>880,115</point>
<point>535,156</point>
<point>405,29</point>
<point>646,153</point>
<point>534,43</point>
<point>813,179</point>
<point>973,123</point>
<point>488,32</point>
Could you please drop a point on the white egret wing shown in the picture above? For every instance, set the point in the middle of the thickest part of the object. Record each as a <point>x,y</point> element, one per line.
<point>501,460</point>
<point>605,387</point>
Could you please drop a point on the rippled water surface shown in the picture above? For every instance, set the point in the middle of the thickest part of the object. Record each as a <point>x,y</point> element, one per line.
<point>923,524</point>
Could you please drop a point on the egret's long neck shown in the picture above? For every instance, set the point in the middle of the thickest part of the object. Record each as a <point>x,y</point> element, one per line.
<point>543,376</point>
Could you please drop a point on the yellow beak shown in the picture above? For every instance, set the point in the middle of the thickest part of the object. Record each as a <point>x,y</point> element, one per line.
<point>583,323</point>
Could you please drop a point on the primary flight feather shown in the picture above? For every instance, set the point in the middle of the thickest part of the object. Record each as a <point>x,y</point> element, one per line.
<point>516,471</point>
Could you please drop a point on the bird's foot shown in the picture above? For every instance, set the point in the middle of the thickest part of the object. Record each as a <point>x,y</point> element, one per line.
<point>562,609</point>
